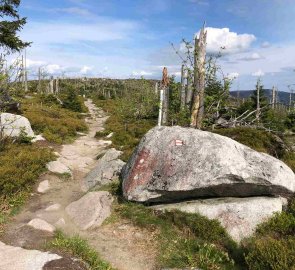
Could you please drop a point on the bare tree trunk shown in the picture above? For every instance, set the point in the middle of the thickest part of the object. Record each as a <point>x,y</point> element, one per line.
<point>258,101</point>
<point>26,72</point>
<point>165,87</point>
<point>290,101</point>
<point>183,79</point>
<point>161,107</point>
<point>56,90</point>
<point>51,85</point>
<point>39,79</point>
<point>199,80</point>
<point>273,97</point>
<point>189,92</point>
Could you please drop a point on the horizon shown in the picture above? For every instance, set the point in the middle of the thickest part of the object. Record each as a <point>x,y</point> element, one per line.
<point>123,39</point>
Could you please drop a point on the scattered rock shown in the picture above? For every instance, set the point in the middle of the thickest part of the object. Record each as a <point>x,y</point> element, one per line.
<point>13,125</point>
<point>43,186</point>
<point>106,169</point>
<point>174,163</point>
<point>65,264</point>
<point>58,167</point>
<point>38,138</point>
<point>239,216</point>
<point>60,223</point>
<point>110,135</point>
<point>16,258</point>
<point>42,225</point>
<point>53,207</point>
<point>91,210</point>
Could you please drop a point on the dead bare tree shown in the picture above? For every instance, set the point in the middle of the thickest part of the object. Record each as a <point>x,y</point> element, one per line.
<point>165,88</point>
<point>183,86</point>
<point>199,79</point>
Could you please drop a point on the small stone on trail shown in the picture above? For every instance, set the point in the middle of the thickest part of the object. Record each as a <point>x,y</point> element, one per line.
<point>91,210</point>
<point>60,223</point>
<point>53,207</point>
<point>43,186</point>
<point>110,135</point>
<point>58,167</point>
<point>40,224</point>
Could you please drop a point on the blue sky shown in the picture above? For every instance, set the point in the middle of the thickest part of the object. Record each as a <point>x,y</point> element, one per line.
<point>130,38</point>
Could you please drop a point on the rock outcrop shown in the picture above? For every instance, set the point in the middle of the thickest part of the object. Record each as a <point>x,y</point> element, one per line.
<point>12,125</point>
<point>108,167</point>
<point>12,258</point>
<point>239,216</point>
<point>173,163</point>
<point>91,210</point>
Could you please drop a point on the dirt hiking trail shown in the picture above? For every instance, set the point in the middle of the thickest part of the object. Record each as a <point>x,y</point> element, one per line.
<point>124,246</point>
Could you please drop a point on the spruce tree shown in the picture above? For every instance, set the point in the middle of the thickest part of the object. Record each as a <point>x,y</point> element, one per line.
<point>10,25</point>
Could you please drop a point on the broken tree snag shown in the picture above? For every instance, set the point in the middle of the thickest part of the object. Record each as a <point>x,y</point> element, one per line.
<point>258,111</point>
<point>182,93</point>
<point>189,91</point>
<point>165,88</point>
<point>199,79</point>
<point>273,99</point>
<point>51,91</point>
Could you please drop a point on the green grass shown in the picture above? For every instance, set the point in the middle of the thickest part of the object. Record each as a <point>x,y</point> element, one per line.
<point>79,248</point>
<point>184,240</point>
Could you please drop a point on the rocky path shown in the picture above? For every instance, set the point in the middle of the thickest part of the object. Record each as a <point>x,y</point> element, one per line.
<point>120,243</point>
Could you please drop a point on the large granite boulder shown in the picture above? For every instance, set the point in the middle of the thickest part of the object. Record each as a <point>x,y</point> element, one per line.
<point>239,216</point>
<point>16,258</point>
<point>91,210</point>
<point>108,167</point>
<point>12,125</point>
<point>174,163</point>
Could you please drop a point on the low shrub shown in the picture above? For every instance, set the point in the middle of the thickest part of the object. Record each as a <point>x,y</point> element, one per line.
<point>20,166</point>
<point>271,254</point>
<point>79,248</point>
<point>56,124</point>
<point>259,140</point>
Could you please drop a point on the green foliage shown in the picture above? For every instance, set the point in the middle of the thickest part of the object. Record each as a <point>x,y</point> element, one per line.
<point>177,115</point>
<point>127,131</point>
<point>9,29</point>
<point>289,159</point>
<point>259,140</point>
<point>102,134</point>
<point>271,254</point>
<point>57,125</point>
<point>273,246</point>
<point>184,240</point>
<point>79,248</point>
<point>20,166</point>
<point>71,101</point>
<point>290,121</point>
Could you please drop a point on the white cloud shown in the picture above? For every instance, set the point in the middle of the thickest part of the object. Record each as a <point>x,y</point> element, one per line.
<point>218,38</point>
<point>74,11</point>
<point>86,69</point>
<point>265,44</point>
<point>258,73</point>
<point>141,73</point>
<point>34,64</point>
<point>200,2</point>
<point>68,33</point>
<point>251,57</point>
<point>53,69</point>
<point>233,75</point>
